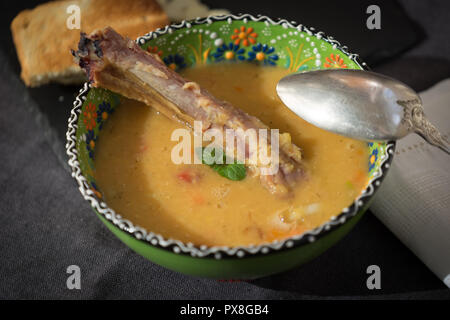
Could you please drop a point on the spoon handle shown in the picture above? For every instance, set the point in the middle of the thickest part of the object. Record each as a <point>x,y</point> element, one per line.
<point>415,120</point>
<point>433,141</point>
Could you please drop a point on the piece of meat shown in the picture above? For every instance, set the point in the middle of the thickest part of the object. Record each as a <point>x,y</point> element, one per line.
<point>120,65</point>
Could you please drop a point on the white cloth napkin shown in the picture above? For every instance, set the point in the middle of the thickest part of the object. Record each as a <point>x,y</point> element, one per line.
<point>414,200</point>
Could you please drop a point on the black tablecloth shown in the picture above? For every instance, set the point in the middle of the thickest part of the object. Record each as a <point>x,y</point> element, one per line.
<point>46,226</point>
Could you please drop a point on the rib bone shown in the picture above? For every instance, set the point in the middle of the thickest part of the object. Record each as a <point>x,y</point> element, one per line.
<point>120,65</point>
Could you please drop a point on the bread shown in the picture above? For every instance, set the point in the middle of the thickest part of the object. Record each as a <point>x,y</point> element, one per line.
<point>178,10</point>
<point>43,40</point>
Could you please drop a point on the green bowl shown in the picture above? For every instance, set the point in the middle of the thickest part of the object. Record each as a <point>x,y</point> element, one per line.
<point>260,40</point>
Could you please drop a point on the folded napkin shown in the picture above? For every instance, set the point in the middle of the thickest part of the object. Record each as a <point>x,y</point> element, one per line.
<point>414,200</point>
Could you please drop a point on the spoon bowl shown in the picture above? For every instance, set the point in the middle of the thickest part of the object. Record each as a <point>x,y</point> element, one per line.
<point>359,104</point>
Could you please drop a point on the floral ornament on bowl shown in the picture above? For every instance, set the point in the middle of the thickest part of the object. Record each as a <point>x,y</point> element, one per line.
<point>95,190</point>
<point>263,53</point>
<point>244,35</point>
<point>373,159</point>
<point>103,112</point>
<point>175,62</point>
<point>91,139</point>
<point>90,115</point>
<point>334,61</point>
<point>229,52</point>
<point>155,50</point>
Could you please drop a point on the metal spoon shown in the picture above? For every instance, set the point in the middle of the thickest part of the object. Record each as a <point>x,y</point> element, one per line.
<point>359,104</point>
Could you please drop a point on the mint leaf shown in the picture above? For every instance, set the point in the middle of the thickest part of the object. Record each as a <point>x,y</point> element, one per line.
<point>234,171</point>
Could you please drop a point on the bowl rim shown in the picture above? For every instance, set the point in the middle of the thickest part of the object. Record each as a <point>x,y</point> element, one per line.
<point>221,252</point>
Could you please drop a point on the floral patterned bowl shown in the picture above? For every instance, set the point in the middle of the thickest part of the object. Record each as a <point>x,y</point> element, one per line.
<point>212,40</point>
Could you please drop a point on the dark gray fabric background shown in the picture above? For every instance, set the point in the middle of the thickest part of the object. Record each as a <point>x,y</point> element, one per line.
<point>46,226</point>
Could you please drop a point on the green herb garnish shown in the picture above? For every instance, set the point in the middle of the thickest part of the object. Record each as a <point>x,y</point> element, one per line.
<point>233,171</point>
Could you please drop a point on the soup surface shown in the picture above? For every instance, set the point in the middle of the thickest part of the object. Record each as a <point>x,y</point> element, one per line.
<point>192,202</point>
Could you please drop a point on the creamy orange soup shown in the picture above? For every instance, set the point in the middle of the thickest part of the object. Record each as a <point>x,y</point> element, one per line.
<point>193,203</point>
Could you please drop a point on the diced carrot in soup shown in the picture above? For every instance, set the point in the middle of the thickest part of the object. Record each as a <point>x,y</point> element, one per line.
<point>185,176</point>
